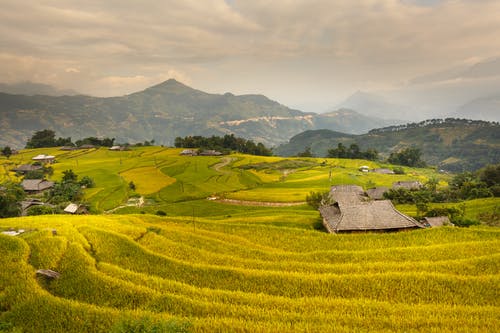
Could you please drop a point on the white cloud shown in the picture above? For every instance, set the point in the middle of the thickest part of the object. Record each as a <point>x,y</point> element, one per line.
<point>289,49</point>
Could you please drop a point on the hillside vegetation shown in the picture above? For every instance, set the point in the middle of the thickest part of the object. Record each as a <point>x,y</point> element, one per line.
<point>238,250</point>
<point>451,144</point>
<point>120,273</point>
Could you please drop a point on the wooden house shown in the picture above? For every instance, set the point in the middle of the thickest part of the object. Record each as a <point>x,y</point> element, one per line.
<point>353,211</point>
<point>36,185</point>
<point>438,221</point>
<point>25,168</point>
<point>409,185</point>
<point>44,158</point>
<point>377,193</point>
<point>74,208</point>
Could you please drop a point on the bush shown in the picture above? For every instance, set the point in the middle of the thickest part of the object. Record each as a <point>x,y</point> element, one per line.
<point>160,213</point>
<point>40,210</point>
<point>87,182</point>
<point>316,199</point>
<point>464,222</point>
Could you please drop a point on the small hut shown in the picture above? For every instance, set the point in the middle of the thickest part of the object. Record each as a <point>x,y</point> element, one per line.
<point>409,185</point>
<point>438,221</point>
<point>44,158</point>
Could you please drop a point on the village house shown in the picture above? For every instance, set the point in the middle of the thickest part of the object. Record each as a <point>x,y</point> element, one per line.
<point>34,186</point>
<point>210,153</point>
<point>377,193</point>
<point>116,148</point>
<point>74,208</point>
<point>383,171</point>
<point>408,185</point>
<point>25,168</point>
<point>438,221</point>
<point>353,211</point>
<point>188,152</point>
<point>44,159</point>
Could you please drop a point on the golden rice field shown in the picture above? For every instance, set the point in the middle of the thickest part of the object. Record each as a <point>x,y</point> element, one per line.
<point>142,273</point>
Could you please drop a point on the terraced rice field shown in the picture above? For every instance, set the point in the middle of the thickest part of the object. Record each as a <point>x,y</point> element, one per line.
<point>255,274</point>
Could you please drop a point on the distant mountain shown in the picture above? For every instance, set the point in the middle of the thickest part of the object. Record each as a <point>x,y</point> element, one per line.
<point>350,121</point>
<point>163,112</point>
<point>451,144</point>
<point>373,105</point>
<point>31,89</point>
<point>486,108</point>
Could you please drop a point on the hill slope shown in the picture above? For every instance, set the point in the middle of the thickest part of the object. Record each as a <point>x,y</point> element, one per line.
<point>163,112</point>
<point>451,144</point>
<point>144,273</point>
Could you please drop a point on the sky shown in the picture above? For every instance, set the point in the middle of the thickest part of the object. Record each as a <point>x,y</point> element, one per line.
<point>306,54</point>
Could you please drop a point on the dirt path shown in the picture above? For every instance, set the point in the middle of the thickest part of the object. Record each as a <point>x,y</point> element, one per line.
<point>259,203</point>
<point>137,203</point>
<point>223,162</point>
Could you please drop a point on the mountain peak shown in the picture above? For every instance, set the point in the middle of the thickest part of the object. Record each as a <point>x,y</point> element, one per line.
<point>171,86</point>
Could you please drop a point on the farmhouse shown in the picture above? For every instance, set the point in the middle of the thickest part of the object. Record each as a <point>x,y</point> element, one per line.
<point>73,208</point>
<point>438,221</point>
<point>25,168</point>
<point>44,158</point>
<point>36,185</point>
<point>353,211</point>
<point>116,148</point>
<point>377,193</point>
<point>383,171</point>
<point>409,185</point>
<point>210,153</point>
<point>188,152</point>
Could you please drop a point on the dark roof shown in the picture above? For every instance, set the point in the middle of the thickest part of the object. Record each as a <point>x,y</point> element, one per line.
<point>353,211</point>
<point>437,221</point>
<point>377,193</point>
<point>409,185</point>
<point>27,168</point>
<point>383,171</point>
<point>36,184</point>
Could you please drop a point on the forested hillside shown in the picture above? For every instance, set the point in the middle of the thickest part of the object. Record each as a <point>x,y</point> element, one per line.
<point>450,144</point>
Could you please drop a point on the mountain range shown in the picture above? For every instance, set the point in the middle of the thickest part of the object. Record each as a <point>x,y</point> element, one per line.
<point>164,112</point>
<point>450,144</point>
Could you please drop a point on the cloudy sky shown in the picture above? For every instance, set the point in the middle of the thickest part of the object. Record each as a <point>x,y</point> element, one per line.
<point>307,54</point>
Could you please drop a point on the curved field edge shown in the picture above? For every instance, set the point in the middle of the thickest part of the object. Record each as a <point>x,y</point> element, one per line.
<point>227,275</point>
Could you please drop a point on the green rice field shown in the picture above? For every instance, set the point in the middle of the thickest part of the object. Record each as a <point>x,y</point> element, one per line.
<point>238,251</point>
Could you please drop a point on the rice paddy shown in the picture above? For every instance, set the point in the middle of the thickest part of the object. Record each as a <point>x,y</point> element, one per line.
<point>210,266</point>
<point>244,275</point>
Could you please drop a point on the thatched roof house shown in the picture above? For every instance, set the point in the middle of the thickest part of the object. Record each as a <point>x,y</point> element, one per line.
<point>409,185</point>
<point>24,168</point>
<point>36,185</point>
<point>352,211</point>
<point>377,193</point>
<point>73,208</point>
<point>189,152</point>
<point>210,153</point>
<point>383,171</point>
<point>44,158</point>
<point>438,221</point>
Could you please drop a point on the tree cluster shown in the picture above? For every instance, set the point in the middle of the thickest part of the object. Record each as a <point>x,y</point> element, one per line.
<point>410,156</point>
<point>353,152</point>
<point>11,195</point>
<point>69,189</point>
<point>47,138</point>
<point>224,144</point>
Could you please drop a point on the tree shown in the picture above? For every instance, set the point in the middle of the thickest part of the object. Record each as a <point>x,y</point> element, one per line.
<point>7,151</point>
<point>11,195</point>
<point>409,156</point>
<point>306,153</point>
<point>86,182</point>
<point>69,176</point>
<point>44,138</point>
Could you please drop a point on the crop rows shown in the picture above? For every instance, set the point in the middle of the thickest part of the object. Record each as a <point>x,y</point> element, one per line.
<point>236,275</point>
